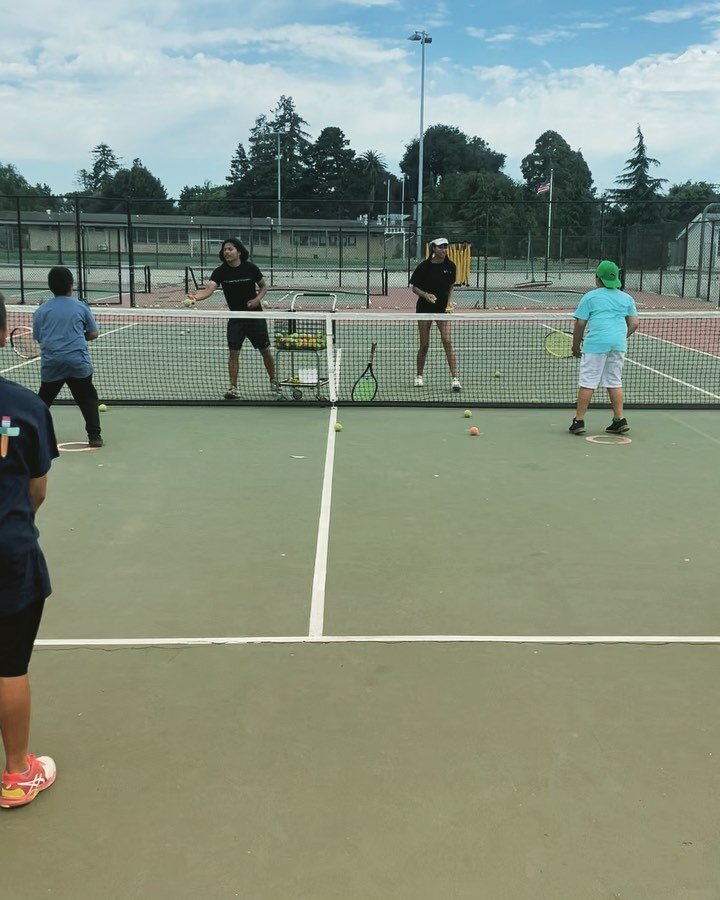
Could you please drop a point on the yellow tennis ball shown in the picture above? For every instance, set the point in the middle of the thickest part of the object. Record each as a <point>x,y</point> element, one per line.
<point>534,399</point>
<point>338,426</point>
<point>187,302</point>
<point>467,413</point>
<point>102,407</point>
<point>497,374</point>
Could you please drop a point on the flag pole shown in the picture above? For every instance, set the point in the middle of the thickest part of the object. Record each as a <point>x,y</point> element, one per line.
<point>549,225</point>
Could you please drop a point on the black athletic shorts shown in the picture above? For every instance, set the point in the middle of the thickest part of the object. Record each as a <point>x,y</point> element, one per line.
<point>17,636</point>
<point>255,330</point>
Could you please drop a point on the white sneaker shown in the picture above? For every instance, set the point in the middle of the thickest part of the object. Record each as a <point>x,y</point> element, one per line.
<point>232,393</point>
<point>418,381</point>
<point>274,386</point>
<point>456,386</point>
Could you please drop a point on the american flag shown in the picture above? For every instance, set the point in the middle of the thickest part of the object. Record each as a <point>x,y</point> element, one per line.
<point>543,188</point>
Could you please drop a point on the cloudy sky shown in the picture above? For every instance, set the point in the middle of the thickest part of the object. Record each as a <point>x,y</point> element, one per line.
<point>178,83</point>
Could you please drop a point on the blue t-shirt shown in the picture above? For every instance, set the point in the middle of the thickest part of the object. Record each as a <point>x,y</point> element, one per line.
<point>605,310</point>
<point>60,326</point>
<point>27,448</point>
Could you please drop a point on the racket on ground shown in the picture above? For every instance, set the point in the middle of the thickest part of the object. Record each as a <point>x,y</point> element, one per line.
<point>559,344</point>
<point>366,387</point>
<point>23,343</point>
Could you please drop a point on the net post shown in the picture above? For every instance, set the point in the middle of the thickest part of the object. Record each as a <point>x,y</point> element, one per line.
<point>330,353</point>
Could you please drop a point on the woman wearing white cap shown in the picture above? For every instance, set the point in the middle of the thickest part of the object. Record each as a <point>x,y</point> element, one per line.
<point>432,282</point>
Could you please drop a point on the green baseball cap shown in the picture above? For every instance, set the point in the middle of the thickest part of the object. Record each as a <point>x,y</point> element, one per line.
<point>608,273</point>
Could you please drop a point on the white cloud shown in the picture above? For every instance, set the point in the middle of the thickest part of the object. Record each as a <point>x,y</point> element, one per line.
<point>668,16</point>
<point>181,96</point>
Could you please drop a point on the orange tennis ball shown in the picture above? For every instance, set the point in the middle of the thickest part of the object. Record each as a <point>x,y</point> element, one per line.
<point>474,432</point>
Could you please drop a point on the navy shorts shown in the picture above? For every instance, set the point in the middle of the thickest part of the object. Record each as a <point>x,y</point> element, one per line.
<point>255,330</point>
<point>17,636</point>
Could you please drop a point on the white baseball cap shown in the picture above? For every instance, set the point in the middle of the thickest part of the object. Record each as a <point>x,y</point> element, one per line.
<point>441,242</point>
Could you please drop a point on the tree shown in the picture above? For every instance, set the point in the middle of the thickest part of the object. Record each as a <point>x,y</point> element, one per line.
<point>482,208</point>
<point>239,166</point>
<point>573,190</point>
<point>105,165</point>
<point>447,150</point>
<point>202,200</point>
<point>637,189</point>
<point>687,200</point>
<point>138,184</point>
<point>372,166</point>
<point>34,197</point>
<point>259,178</point>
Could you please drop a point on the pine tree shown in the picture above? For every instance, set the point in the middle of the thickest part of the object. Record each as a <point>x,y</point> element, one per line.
<point>637,189</point>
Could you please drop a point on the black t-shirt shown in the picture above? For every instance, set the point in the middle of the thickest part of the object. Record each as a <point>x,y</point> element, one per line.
<point>27,447</point>
<point>434,278</point>
<point>239,283</point>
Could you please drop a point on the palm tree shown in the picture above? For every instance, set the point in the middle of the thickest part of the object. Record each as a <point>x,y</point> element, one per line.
<point>372,165</point>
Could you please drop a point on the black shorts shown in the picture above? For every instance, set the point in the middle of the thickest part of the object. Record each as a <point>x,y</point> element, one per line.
<point>255,330</point>
<point>437,308</point>
<point>17,636</point>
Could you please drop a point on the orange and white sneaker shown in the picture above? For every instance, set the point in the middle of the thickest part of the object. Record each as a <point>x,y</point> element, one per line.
<point>20,788</point>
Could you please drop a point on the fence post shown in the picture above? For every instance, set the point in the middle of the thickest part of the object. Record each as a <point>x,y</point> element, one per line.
<point>485,265</point>
<point>685,256</point>
<point>78,248</point>
<point>601,254</point>
<point>710,257</point>
<point>20,251</point>
<point>131,253</point>
<point>340,255</point>
<point>662,256</point>
<point>642,255</point>
<point>367,263</point>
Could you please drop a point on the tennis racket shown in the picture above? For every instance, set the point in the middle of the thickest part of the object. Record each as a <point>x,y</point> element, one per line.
<point>23,343</point>
<point>559,344</point>
<point>366,387</point>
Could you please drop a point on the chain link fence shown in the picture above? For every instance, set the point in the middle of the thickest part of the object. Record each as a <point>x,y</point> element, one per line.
<point>516,255</point>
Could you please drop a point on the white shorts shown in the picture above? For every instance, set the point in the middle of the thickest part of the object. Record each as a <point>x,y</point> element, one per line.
<point>601,369</point>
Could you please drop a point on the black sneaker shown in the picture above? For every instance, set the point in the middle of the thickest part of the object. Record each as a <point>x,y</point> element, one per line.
<point>618,426</point>
<point>95,441</point>
<point>577,427</point>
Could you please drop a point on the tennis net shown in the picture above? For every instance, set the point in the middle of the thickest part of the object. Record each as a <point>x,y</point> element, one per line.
<point>180,357</point>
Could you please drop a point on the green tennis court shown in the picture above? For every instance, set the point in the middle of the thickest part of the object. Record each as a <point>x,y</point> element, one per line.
<point>394,661</point>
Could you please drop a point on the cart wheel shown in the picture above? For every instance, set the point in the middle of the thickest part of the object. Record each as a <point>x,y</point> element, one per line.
<point>297,394</point>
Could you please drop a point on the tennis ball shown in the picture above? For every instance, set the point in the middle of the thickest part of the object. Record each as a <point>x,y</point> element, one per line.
<point>187,302</point>
<point>102,407</point>
<point>474,432</point>
<point>338,426</point>
<point>497,374</point>
<point>534,399</point>
<point>467,413</point>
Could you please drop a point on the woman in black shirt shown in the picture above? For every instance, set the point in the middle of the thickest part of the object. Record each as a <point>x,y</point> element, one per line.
<point>432,282</point>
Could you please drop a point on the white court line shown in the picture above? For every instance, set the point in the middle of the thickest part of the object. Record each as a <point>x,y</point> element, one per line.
<point>563,639</point>
<point>693,387</point>
<point>317,605</point>
<point>692,428</point>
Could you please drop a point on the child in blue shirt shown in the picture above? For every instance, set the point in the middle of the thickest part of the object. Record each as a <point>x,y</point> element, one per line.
<point>63,326</point>
<point>604,320</point>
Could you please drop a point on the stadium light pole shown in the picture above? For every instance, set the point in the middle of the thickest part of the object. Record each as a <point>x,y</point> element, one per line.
<point>424,38</point>
<point>279,191</point>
